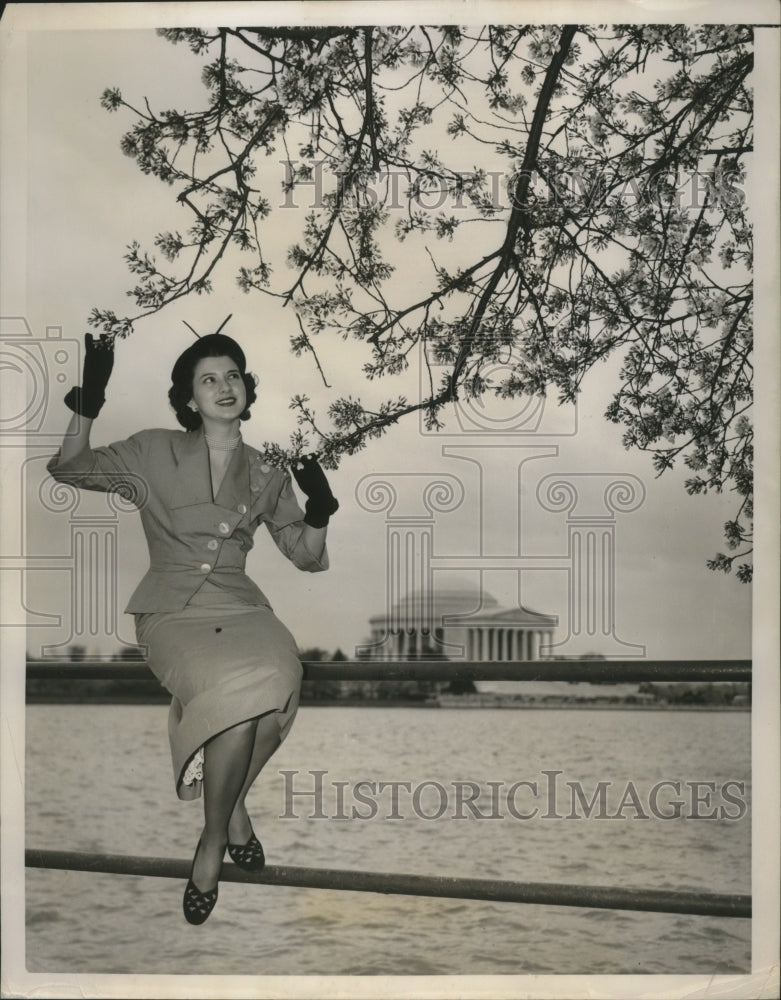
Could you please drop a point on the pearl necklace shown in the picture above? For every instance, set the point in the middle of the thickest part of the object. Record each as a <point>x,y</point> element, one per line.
<point>216,445</point>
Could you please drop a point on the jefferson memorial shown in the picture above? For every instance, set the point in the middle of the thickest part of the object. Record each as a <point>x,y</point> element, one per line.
<point>458,623</point>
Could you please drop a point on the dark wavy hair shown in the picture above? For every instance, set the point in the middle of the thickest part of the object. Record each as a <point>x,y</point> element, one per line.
<point>213,345</point>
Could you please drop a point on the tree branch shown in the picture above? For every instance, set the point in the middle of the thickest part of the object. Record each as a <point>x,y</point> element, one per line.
<point>518,213</point>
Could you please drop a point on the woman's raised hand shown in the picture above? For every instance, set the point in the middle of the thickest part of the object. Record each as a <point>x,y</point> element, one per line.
<point>88,398</point>
<point>321,502</point>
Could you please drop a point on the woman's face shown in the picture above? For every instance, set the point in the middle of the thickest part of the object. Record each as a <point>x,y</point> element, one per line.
<point>218,390</point>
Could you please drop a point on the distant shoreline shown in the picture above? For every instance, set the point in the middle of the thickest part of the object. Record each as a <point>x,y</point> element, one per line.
<point>136,685</point>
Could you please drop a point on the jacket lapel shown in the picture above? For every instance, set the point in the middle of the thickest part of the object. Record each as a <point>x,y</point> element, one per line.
<point>234,488</point>
<point>192,478</point>
<point>247,476</point>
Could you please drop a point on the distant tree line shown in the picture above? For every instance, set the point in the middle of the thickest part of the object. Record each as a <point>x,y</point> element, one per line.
<point>324,691</point>
<point>698,694</point>
<point>148,690</point>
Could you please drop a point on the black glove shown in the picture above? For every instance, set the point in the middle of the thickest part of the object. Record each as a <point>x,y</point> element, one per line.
<point>88,398</point>
<point>321,502</point>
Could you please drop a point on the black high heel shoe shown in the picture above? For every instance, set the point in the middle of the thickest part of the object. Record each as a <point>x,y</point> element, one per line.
<point>249,856</point>
<point>196,905</point>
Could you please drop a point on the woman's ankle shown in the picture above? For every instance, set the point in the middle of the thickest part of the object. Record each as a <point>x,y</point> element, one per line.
<point>213,841</point>
<point>207,861</point>
<point>239,826</point>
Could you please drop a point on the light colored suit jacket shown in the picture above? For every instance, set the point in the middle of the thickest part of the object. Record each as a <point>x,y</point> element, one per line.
<point>193,536</point>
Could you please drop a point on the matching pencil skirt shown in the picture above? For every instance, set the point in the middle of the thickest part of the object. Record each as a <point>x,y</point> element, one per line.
<point>224,662</point>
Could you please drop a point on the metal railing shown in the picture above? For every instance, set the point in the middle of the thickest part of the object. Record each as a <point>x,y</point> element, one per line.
<point>395,883</point>
<point>617,671</point>
<point>551,894</point>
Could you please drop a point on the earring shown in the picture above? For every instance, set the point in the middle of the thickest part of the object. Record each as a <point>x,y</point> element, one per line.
<point>193,407</point>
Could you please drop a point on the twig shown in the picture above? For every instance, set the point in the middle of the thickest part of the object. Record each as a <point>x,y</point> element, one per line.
<point>309,346</point>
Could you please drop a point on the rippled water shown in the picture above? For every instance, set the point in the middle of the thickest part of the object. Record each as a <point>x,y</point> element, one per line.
<point>98,779</point>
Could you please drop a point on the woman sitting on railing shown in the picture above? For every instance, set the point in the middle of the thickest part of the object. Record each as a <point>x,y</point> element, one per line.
<point>213,640</point>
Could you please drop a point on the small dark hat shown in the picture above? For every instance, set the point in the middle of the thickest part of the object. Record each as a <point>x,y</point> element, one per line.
<point>210,346</point>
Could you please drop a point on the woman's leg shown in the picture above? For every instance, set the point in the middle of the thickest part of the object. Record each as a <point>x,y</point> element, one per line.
<point>227,758</point>
<point>266,742</point>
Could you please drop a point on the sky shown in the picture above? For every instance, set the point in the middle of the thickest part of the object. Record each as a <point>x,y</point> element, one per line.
<point>86,201</point>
